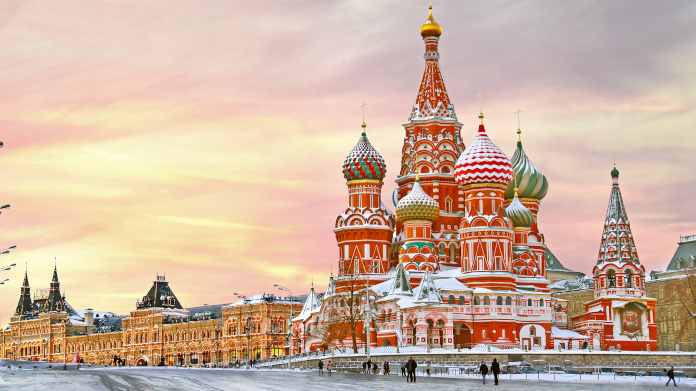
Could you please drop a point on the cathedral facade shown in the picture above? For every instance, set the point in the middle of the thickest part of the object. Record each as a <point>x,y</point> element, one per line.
<point>462,261</point>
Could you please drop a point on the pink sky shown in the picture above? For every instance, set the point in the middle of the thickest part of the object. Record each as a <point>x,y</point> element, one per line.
<point>205,139</point>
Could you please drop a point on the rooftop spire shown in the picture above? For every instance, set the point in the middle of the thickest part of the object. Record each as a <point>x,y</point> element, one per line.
<point>433,100</point>
<point>480,95</point>
<point>363,123</point>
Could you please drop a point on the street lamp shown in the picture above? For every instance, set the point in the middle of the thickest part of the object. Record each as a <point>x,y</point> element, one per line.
<point>3,282</point>
<point>282,288</point>
<point>247,327</point>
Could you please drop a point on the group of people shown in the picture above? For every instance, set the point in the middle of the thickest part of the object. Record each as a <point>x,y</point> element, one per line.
<point>329,367</point>
<point>495,368</point>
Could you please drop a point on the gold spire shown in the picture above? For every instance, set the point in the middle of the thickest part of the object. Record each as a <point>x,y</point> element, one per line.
<point>430,28</point>
<point>515,176</point>
<point>519,132</point>
<point>480,95</point>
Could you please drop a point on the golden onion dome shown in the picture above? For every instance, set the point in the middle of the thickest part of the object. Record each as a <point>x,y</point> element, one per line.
<point>430,28</point>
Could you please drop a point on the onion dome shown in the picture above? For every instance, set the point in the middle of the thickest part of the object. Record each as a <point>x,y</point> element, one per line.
<point>430,28</point>
<point>531,183</point>
<point>614,172</point>
<point>483,162</point>
<point>364,162</point>
<point>519,214</point>
<point>417,205</point>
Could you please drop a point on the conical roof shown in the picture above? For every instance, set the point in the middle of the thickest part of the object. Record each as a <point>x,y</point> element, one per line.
<point>617,242</point>
<point>364,162</point>
<point>160,295</point>
<point>331,288</point>
<point>427,292</point>
<point>311,304</point>
<point>401,285</point>
<point>531,183</point>
<point>483,162</point>
<point>417,205</point>
<point>24,305</point>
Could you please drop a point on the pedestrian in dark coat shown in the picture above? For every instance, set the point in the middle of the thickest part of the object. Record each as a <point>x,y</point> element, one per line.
<point>374,368</point>
<point>484,371</point>
<point>495,368</point>
<point>320,364</point>
<point>670,376</point>
<point>369,366</point>
<point>386,368</point>
<point>364,366</point>
<point>411,369</point>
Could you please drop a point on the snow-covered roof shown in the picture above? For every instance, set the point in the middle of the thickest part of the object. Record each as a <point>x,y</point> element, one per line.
<point>310,306</point>
<point>566,334</point>
<point>427,292</point>
<point>400,283</point>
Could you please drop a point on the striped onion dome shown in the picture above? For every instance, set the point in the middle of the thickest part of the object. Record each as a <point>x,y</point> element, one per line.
<point>519,214</point>
<point>364,162</point>
<point>531,183</point>
<point>483,162</point>
<point>417,205</point>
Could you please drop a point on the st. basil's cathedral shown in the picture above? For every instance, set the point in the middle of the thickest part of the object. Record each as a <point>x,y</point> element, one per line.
<point>463,262</point>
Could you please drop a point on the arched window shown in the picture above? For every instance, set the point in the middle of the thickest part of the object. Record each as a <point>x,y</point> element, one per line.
<point>628,279</point>
<point>461,300</point>
<point>529,302</point>
<point>486,300</point>
<point>532,331</point>
<point>541,302</point>
<point>499,300</point>
<point>611,277</point>
<point>448,202</point>
<point>450,300</point>
<point>508,300</point>
<point>446,170</point>
<point>424,134</point>
<point>477,301</point>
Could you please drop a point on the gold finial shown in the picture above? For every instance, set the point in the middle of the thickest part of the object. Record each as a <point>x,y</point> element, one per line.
<point>363,123</point>
<point>430,28</point>
<point>480,95</point>
<point>515,176</point>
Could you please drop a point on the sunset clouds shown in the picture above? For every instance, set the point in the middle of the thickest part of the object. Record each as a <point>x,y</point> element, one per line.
<point>205,139</point>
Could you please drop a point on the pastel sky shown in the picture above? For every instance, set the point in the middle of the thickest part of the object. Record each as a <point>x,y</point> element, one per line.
<point>205,139</point>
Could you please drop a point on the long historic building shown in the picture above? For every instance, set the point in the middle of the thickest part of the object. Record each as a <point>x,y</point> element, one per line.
<point>461,262</point>
<point>158,332</point>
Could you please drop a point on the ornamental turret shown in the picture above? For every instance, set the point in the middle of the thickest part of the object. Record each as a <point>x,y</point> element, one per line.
<point>532,187</point>
<point>417,212</point>
<point>432,143</point>
<point>618,271</point>
<point>484,171</point>
<point>24,306</point>
<point>55,299</point>
<point>364,229</point>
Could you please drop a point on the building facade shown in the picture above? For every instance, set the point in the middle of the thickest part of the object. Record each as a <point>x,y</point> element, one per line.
<point>462,261</point>
<point>158,332</point>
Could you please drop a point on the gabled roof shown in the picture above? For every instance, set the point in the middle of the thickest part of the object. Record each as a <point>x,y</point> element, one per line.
<point>552,263</point>
<point>685,256</point>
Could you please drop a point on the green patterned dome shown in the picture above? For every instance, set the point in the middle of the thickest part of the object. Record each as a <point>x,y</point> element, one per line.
<point>614,172</point>
<point>519,214</point>
<point>417,205</point>
<point>531,183</point>
<point>364,162</point>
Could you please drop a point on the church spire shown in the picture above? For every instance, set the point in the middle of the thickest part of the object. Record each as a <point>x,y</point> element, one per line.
<point>433,100</point>
<point>617,239</point>
<point>24,304</point>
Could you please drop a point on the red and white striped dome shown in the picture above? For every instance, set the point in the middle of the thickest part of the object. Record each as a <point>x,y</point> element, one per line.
<point>483,162</point>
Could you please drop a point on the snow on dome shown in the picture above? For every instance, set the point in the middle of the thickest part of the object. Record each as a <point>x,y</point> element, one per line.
<point>531,183</point>
<point>519,214</point>
<point>483,162</point>
<point>364,162</point>
<point>417,205</point>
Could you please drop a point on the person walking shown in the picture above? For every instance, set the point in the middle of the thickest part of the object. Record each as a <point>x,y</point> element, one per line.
<point>364,366</point>
<point>427,368</point>
<point>369,366</point>
<point>320,364</point>
<point>329,366</point>
<point>670,376</point>
<point>375,369</point>
<point>386,368</point>
<point>403,368</point>
<point>495,368</point>
<point>484,370</point>
<point>411,370</point>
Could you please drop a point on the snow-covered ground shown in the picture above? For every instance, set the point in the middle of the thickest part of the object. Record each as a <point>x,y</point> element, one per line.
<point>138,378</point>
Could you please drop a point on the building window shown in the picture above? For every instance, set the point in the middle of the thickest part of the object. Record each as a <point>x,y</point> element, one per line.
<point>541,302</point>
<point>448,202</point>
<point>508,300</point>
<point>611,277</point>
<point>532,331</point>
<point>486,300</point>
<point>529,302</point>
<point>461,300</point>
<point>628,279</point>
<point>477,301</point>
<point>450,300</point>
<point>499,300</point>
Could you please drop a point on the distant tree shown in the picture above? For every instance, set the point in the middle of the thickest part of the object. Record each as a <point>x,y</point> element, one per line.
<point>686,294</point>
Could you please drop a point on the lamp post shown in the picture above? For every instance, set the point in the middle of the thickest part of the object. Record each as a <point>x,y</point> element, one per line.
<point>218,331</point>
<point>282,288</point>
<point>247,327</point>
